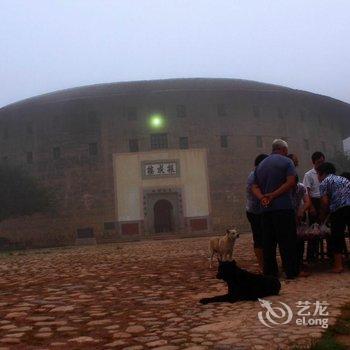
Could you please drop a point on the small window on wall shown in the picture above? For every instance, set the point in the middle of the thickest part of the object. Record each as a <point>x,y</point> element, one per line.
<point>224,141</point>
<point>323,146</point>
<point>5,131</point>
<point>29,157</point>
<point>259,142</point>
<point>29,128</point>
<point>319,120</point>
<point>92,118</point>
<point>306,144</point>
<point>56,122</point>
<point>183,142</point>
<point>256,112</point>
<point>93,149</point>
<point>133,145</point>
<point>87,232</point>
<point>280,113</point>
<point>131,113</point>
<point>56,153</point>
<point>221,109</point>
<point>159,141</point>
<point>181,111</point>
<point>109,225</point>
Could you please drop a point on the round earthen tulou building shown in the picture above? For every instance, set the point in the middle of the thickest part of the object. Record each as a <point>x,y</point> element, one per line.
<point>151,157</point>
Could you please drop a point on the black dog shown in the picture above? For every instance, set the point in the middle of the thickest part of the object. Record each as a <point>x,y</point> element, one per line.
<point>243,285</point>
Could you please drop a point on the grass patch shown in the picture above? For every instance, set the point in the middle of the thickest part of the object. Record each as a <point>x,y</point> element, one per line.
<point>328,342</point>
<point>337,337</point>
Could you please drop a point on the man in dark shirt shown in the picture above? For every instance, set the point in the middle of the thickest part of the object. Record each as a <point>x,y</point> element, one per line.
<point>274,179</point>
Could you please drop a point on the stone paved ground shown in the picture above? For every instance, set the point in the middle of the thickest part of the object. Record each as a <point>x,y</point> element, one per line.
<point>144,295</point>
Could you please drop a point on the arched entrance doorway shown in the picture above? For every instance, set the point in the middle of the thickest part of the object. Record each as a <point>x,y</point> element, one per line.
<point>163,216</point>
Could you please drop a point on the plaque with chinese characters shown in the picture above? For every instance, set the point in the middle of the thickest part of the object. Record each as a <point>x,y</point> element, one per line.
<point>163,168</point>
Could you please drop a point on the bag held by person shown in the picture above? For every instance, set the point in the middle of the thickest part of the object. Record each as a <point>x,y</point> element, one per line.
<point>306,232</point>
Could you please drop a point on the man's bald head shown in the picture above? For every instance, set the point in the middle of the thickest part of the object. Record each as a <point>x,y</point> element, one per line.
<point>280,146</point>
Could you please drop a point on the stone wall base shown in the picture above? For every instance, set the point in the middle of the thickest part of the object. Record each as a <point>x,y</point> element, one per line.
<point>85,241</point>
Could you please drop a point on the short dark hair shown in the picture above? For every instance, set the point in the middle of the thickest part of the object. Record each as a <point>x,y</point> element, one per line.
<point>346,174</point>
<point>260,158</point>
<point>326,168</point>
<point>316,156</point>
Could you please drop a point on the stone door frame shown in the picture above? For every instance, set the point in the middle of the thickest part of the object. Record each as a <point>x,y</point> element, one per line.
<point>152,195</point>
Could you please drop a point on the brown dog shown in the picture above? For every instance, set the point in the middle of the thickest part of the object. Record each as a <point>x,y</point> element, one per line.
<point>223,246</point>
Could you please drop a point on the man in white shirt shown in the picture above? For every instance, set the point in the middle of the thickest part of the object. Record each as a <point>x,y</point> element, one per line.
<point>312,184</point>
<point>311,180</point>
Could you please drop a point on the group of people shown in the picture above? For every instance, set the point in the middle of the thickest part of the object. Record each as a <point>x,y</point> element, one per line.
<point>277,203</point>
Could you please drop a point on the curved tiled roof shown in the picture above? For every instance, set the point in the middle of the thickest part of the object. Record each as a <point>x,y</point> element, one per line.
<point>168,85</point>
<point>153,86</point>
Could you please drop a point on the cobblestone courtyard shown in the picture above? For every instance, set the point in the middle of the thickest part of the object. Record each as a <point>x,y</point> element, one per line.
<point>144,295</point>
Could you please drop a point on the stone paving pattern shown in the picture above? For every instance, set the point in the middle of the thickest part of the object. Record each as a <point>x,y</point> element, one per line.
<point>144,295</point>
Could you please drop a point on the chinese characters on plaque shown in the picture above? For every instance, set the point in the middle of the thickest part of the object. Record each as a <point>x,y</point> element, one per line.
<point>160,168</point>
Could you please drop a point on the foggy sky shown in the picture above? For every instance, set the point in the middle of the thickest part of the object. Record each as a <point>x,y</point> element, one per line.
<point>48,45</point>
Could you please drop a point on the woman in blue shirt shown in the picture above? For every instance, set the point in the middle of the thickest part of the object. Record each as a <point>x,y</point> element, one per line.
<point>335,198</point>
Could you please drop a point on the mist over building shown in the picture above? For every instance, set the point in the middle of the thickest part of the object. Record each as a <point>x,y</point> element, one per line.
<point>146,158</point>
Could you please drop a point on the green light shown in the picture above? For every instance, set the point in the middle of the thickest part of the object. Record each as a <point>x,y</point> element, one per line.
<point>156,121</point>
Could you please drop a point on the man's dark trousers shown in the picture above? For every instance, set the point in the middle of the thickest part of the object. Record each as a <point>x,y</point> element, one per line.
<point>279,228</point>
